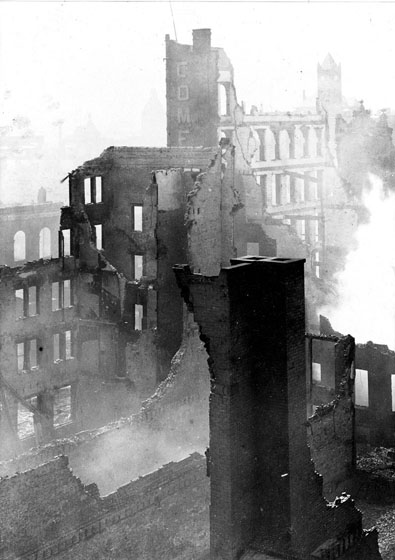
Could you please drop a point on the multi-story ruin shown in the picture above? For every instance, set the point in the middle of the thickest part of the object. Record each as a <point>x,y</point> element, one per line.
<point>104,315</point>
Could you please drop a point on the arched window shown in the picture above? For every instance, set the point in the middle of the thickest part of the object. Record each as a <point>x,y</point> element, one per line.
<point>45,243</point>
<point>19,246</point>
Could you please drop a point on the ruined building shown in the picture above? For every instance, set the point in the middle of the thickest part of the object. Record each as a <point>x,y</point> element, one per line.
<point>265,496</point>
<point>54,381</point>
<point>100,323</point>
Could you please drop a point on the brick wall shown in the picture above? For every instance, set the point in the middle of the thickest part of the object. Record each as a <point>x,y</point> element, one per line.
<point>47,512</point>
<point>263,484</point>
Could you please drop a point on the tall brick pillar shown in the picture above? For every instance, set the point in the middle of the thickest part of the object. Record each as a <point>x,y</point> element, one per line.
<point>265,494</point>
<point>252,317</point>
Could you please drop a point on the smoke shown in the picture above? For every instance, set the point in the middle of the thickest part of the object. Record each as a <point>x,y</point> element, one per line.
<point>366,286</point>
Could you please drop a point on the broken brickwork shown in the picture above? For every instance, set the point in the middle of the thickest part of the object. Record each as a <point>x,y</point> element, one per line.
<point>374,389</point>
<point>331,422</point>
<point>53,515</point>
<point>143,195</point>
<point>57,348</point>
<point>264,492</point>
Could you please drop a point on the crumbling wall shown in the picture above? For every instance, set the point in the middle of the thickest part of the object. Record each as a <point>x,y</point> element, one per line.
<point>262,477</point>
<point>48,513</point>
<point>210,214</point>
<point>41,505</point>
<point>331,428</point>
<point>175,419</point>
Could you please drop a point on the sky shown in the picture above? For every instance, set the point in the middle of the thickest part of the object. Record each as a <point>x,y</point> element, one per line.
<point>75,59</point>
<point>72,61</point>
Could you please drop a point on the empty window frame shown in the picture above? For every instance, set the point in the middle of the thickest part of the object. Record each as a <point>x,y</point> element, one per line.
<point>316,265</point>
<point>25,419</point>
<point>20,356</point>
<point>361,387</point>
<point>56,347</point>
<point>98,189</point>
<point>19,303</point>
<point>62,406</point>
<point>26,302</point>
<point>65,243</point>
<point>68,345</point>
<point>99,236</point>
<point>301,229</point>
<point>45,243</point>
<point>62,295</point>
<point>56,299</point>
<point>92,190</point>
<point>138,317</point>
<point>63,346</point>
<point>316,372</point>
<point>19,246</point>
<point>137,217</point>
<point>33,354</point>
<point>26,355</point>
<point>87,191</point>
<point>32,293</point>
<point>315,232</point>
<point>66,293</point>
<point>138,266</point>
<point>393,392</point>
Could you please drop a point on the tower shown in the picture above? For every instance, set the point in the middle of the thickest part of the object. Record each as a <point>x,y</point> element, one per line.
<point>329,84</point>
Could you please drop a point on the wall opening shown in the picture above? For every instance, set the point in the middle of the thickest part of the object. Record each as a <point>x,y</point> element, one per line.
<point>87,190</point>
<point>19,304</point>
<point>66,242</point>
<point>98,189</point>
<point>316,372</point>
<point>20,356</point>
<point>45,243</point>
<point>68,345</point>
<point>67,293</point>
<point>361,387</point>
<point>223,105</point>
<point>55,296</point>
<point>138,317</point>
<point>62,406</point>
<point>32,299</point>
<point>19,246</point>
<point>138,266</point>
<point>25,423</point>
<point>137,217</point>
<point>99,236</point>
<point>56,347</point>
<point>393,392</point>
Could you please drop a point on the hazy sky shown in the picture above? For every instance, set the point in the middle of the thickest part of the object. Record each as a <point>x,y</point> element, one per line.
<point>70,59</point>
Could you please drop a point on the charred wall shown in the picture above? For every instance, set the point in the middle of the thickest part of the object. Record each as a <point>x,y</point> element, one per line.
<point>53,515</point>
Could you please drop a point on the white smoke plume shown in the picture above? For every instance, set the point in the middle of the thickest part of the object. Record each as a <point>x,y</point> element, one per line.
<point>366,287</point>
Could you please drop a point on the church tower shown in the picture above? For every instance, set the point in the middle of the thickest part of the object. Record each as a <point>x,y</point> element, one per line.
<point>329,85</point>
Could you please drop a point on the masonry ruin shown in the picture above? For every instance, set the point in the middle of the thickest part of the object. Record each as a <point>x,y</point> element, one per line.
<point>105,378</point>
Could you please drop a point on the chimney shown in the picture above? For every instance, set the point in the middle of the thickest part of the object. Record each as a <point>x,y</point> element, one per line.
<point>201,40</point>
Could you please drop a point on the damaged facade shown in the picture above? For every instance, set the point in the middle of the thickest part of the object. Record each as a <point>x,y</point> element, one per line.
<point>106,311</point>
<point>265,494</point>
